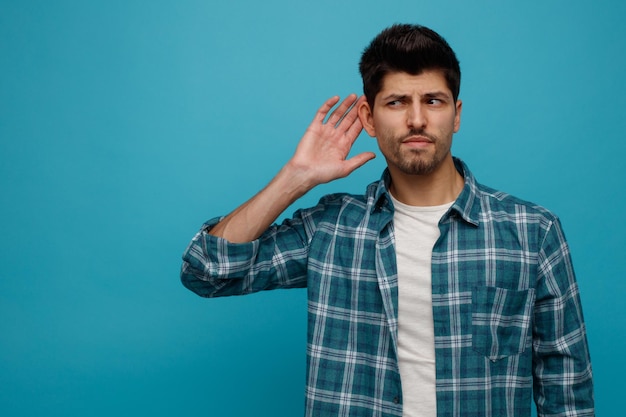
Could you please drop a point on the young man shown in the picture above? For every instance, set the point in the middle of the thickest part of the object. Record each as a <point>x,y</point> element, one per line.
<point>429,295</point>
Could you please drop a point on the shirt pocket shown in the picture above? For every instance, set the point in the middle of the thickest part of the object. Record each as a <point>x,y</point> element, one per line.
<point>501,321</point>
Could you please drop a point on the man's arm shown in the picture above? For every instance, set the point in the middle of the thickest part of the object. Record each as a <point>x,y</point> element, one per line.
<point>321,156</point>
<point>562,366</point>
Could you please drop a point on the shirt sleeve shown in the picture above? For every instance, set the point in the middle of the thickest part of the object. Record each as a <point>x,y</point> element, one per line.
<point>215,267</point>
<point>561,362</point>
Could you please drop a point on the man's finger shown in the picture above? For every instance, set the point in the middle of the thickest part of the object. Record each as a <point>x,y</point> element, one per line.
<point>350,117</point>
<point>354,129</point>
<point>343,109</point>
<point>359,160</point>
<point>325,108</point>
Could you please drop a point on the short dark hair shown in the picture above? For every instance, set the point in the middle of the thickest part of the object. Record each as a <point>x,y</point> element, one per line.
<point>407,48</point>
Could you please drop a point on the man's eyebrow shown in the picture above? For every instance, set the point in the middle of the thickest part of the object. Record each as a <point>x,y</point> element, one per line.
<point>437,94</point>
<point>395,96</point>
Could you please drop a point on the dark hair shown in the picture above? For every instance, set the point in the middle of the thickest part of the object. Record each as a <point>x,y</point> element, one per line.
<point>411,49</point>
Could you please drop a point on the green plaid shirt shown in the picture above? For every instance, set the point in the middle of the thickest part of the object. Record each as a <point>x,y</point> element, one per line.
<point>507,315</point>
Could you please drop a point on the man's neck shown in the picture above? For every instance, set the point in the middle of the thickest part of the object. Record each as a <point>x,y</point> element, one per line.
<point>439,187</point>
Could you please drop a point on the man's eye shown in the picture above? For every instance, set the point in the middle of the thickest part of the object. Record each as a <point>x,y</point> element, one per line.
<point>394,103</point>
<point>435,101</point>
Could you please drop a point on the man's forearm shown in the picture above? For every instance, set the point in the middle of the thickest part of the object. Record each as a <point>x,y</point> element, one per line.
<point>251,219</point>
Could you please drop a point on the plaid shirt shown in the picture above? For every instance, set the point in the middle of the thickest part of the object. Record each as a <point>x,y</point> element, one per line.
<point>507,315</point>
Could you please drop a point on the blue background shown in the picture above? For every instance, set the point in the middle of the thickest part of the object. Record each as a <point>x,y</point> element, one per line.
<point>125,124</point>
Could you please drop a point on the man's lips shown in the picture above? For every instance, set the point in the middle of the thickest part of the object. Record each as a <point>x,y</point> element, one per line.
<point>417,141</point>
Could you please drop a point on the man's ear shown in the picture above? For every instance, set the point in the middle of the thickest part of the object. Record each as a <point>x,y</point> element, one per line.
<point>457,116</point>
<point>367,118</point>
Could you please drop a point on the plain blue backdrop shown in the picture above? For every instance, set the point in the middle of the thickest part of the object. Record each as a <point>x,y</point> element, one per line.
<point>125,124</point>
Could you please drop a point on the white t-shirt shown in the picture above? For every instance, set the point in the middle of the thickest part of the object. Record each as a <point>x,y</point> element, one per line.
<point>416,231</point>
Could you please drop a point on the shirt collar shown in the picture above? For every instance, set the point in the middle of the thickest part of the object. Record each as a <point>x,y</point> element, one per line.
<point>378,193</point>
<point>467,204</point>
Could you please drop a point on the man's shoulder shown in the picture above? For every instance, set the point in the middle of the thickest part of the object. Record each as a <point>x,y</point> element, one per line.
<point>354,200</point>
<point>342,202</point>
<point>479,202</point>
<point>494,200</point>
<point>333,206</point>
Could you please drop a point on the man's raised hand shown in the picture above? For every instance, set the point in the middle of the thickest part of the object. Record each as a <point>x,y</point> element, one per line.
<point>322,154</point>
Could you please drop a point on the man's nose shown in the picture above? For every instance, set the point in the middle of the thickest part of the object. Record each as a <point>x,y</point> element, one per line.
<point>416,118</point>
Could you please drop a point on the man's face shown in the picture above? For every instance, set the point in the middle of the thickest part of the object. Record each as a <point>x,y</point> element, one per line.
<point>413,119</point>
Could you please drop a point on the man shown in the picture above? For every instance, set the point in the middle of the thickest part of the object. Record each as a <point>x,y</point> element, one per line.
<point>429,295</point>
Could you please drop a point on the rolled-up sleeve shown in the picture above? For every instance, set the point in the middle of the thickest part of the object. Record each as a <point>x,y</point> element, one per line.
<point>214,267</point>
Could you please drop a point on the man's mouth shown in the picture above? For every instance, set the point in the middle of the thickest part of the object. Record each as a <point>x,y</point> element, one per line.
<point>418,141</point>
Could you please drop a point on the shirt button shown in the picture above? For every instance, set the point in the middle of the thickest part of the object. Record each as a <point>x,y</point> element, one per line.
<point>396,400</point>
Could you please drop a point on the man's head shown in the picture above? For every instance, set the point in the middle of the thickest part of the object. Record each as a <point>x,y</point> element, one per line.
<point>407,48</point>
<point>411,80</point>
